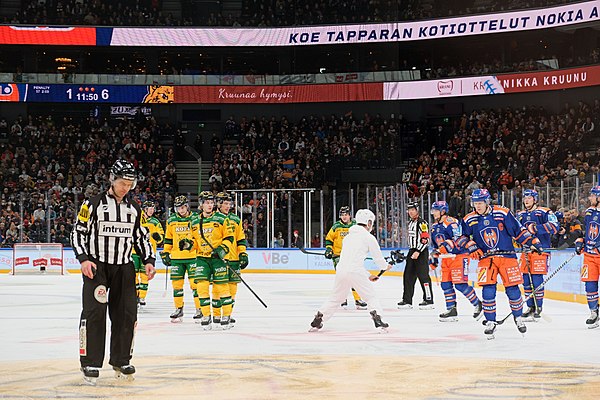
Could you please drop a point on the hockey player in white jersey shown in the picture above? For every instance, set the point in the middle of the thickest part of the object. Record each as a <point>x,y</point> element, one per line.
<point>351,273</point>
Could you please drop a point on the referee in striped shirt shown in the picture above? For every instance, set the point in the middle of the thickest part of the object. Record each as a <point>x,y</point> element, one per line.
<point>417,260</point>
<point>108,227</point>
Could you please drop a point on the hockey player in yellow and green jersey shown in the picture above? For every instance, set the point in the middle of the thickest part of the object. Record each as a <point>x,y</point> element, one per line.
<point>333,247</point>
<point>181,260</point>
<point>157,235</point>
<point>211,240</point>
<point>237,258</point>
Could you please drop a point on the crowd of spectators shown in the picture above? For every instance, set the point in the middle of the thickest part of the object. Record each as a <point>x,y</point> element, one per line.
<point>95,12</point>
<point>454,67</point>
<point>511,148</point>
<point>502,150</point>
<point>257,12</point>
<point>305,12</point>
<point>49,165</point>
<point>278,153</point>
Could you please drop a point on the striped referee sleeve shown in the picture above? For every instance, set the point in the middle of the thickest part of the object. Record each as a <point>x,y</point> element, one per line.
<point>423,236</point>
<point>141,241</point>
<point>80,235</point>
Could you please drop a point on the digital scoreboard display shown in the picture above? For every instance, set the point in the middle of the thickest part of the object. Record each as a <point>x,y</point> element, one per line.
<point>84,93</point>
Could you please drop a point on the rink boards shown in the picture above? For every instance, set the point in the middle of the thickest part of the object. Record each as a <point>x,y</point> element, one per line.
<point>565,285</point>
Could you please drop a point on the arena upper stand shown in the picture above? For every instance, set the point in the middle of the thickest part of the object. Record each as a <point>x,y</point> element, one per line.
<point>253,12</point>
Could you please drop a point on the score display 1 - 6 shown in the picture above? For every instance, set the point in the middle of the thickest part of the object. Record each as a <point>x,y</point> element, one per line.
<point>87,93</point>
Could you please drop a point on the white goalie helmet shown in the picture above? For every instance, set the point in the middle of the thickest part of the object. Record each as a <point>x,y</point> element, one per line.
<point>363,216</point>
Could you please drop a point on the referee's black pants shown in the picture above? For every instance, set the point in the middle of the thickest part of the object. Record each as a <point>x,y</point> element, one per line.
<point>113,287</point>
<point>414,269</point>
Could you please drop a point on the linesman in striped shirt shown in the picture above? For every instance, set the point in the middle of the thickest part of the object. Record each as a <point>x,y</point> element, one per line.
<point>107,229</point>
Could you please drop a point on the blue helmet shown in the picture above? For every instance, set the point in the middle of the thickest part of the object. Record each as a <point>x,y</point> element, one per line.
<point>481,195</point>
<point>531,192</point>
<point>440,206</point>
<point>595,191</point>
<point>559,215</point>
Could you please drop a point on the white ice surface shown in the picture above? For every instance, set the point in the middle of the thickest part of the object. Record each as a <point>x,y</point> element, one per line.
<point>40,317</point>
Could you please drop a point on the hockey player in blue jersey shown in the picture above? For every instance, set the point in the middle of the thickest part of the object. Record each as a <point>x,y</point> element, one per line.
<point>455,268</point>
<point>487,234</point>
<point>541,223</point>
<point>589,245</point>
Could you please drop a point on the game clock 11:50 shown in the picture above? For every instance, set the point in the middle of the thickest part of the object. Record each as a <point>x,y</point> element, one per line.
<point>88,94</point>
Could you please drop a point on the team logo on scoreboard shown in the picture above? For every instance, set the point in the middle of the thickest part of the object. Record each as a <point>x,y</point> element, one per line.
<point>160,94</point>
<point>490,236</point>
<point>9,92</point>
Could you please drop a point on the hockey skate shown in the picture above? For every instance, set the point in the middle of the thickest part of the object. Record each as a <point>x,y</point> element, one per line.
<point>177,315</point>
<point>90,375</point>
<point>449,316</point>
<point>206,323</point>
<point>477,313</point>
<point>425,305</point>
<point>125,372</point>
<point>316,323</point>
<point>528,314</point>
<point>592,321</point>
<point>225,323</point>
<point>490,329</point>
<point>537,314</point>
<point>379,324</point>
<point>232,321</point>
<point>344,304</point>
<point>197,316</point>
<point>404,306</point>
<point>521,325</point>
<point>141,303</point>
<point>360,304</point>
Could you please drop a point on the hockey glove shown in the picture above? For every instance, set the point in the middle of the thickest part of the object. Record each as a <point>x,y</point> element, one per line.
<point>579,246</point>
<point>536,246</point>
<point>243,260</point>
<point>446,247</point>
<point>221,252</point>
<point>186,244</point>
<point>433,263</point>
<point>397,256</point>
<point>166,258</point>
<point>329,253</point>
<point>474,251</point>
<point>156,236</point>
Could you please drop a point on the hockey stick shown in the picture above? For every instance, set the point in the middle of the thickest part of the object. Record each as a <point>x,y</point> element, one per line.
<point>302,249</point>
<point>537,289</point>
<point>167,275</point>
<point>388,258</point>
<point>381,272</point>
<point>227,263</point>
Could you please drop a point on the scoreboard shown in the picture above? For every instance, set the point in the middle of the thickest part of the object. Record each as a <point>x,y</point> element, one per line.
<point>57,93</point>
<point>519,82</point>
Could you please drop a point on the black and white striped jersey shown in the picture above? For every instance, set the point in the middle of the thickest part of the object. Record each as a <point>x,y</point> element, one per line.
<point>418,234</point>
<point>108,231</point>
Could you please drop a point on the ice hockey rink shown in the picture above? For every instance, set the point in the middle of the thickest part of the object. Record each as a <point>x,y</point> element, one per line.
<point>270,354</point>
